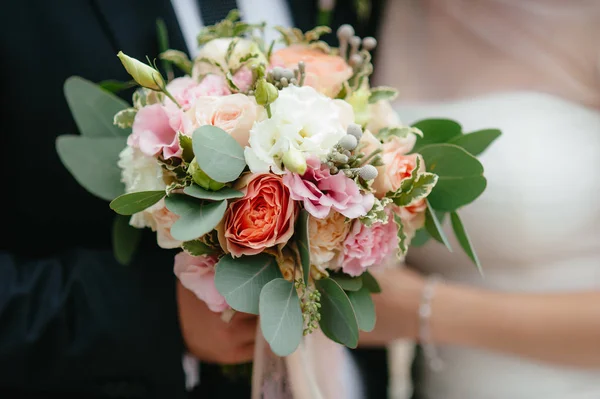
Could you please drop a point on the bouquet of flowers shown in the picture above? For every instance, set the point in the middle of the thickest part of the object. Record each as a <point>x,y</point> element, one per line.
<point>278,171</point>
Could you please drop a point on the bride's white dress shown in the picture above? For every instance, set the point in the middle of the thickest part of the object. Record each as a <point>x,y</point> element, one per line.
<point>536,229</point>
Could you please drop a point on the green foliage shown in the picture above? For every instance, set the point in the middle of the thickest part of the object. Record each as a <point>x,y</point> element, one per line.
<point>477,142</point>
<point>370,283</point>
<point>377,213</point>
<point>402,238</point>
<point>460,176</point>
<point>303,243</point>
<point>197,248</point>
<point>125,240</point>
<point>93,108</point>
<point>124,119</point>
<point>434,227</point>
<point>348,283</point>
<point>382,93</point>
<point>418,186</point>
<point>280,316</point>
<point>179,59</point>
<point>363,306</point>
<point>116,86</point>
<point>223,194</point>
<point>197,218</point>
<point>128,204</point>
<point>218,154</point>
<point>464,240</point>
<point>338,320</point>
<point>241,280</point>
<point>93,163</point>
<point>397,131</point>
<point>163,45</point>
<point>421,237</point>
<point>436,131</point>
<point>187,150</point>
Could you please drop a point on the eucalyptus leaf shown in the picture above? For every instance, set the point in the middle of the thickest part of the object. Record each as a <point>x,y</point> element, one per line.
<point>348,283</point>
<point>436,131</point>
<point>477,142</point>
<point>240,280</point>
<point>463,238</point>
<point>303,242</point>
<point>434,227</point>
<point>382,93</point>
<point>280,316</point>
<point>370,283</point>
<point>128,204</point>
<point>125,239</point>
<point>364,308</point>
<point>338,320</point>
<point>218,154</point>
<point>93,163</point>
<point>94,108</point>
<point>460,176</point>
<point>421,237</point>
<point>196,217</point>
<point>196,191</point>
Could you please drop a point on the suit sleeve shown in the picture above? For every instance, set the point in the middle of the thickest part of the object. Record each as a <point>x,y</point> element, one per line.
<point>82,320</point>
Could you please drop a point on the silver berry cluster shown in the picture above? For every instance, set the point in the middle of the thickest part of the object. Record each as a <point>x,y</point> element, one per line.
<point>351,46</point>
<point>283,77</point>
<point>343,158</point>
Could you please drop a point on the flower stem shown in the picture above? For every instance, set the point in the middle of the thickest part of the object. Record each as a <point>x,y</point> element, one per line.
<point>268,108</point>
<point>371,156</point>
<point>164,90</point>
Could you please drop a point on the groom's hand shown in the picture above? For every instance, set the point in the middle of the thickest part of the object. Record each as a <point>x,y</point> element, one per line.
<point>208,337</point>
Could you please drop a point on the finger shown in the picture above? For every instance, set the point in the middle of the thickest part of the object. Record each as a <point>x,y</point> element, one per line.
<point>243,331</point>
<point>243,354</point>
<point>243,316</point>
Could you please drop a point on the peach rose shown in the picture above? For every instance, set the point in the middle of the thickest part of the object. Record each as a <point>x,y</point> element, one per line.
<point>263,218</point>
<point>397,167</point>
<point>326,237</point>
<point>412,216</point>
<point>235,114</point>
<point>164,219</point>
<point>324,72</point>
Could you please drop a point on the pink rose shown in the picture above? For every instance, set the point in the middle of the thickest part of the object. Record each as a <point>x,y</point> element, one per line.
<point>155,130</point>
<point>368,246</point>
<point>396,167</point>
<point>324,72</point>
<point>197,274</point>
<point>321,191</point>
<point>186,90</point>
<point>163,221</point>
<point>263,218</point>
<point>235,114</point>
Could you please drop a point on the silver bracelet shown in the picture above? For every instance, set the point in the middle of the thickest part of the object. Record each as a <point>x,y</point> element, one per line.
<point>429,350</point>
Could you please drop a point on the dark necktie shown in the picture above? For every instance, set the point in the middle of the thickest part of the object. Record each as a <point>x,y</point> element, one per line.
<point>214,11</point>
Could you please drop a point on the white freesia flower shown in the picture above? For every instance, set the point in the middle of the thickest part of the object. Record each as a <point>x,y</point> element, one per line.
<point>141,172</point>
<point>302,119</point>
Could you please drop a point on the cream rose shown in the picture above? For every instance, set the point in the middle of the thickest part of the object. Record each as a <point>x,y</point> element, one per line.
<point>235,114</point>
<point>326,237</point>
<point>382,115</point>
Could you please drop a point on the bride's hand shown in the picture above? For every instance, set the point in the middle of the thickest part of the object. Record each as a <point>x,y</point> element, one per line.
<point>396,307</point>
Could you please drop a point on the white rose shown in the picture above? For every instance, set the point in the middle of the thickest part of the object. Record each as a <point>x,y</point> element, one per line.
<point>382,115</point>
<point>216,50</point>
<point>301,118</point>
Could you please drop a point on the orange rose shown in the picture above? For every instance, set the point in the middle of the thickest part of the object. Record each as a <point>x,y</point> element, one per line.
<point>397,167</point>
<point>263,218</point>
<point>324,72</point>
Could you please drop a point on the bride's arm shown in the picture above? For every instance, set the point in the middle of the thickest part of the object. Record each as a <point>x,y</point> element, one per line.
<point>559,328</point>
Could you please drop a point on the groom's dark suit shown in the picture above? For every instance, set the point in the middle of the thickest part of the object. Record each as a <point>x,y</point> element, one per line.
<point>73,323</point>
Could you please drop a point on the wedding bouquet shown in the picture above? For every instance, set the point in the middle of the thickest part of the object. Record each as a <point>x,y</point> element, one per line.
<point>278,171</point>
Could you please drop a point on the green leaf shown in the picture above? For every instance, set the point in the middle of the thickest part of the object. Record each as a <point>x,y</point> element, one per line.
<point>348,283</point>
<point>460,176</point>
<point>370,283</point>
<point>280,316</point>
<point>303,242</point>
<point>401,235</point>
<point>187,151</point>
<point>218,154</point>
<point>128,204</point>
<point>124,118</point>
<point>163,45</point>
<point>436,131</point>
<point>434,227</point>
<point>179,59</point>
<point>382,93</point>
<point>230,50</point>
<point>240,280</point>
<point>116,86</point>
<point>421,237</point>
<point>364,308</point>
<point>397,131</point>
<point>197,248</point>
<point>125,239</point>
<point>338,321</point>
<point>93,163</point>
<point>225,193</point>
<point>464,240</point>
<point>476,142</point>
<point>420,188</point>
<point>196,217</point>
<point>94,108</point>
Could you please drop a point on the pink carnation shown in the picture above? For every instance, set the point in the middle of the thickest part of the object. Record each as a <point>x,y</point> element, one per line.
<point>155,130</point>
<point>197,274</point>
<point>243,79</point>
<point>321,191</point>
<point>186,90</point>
<point>367,246</point>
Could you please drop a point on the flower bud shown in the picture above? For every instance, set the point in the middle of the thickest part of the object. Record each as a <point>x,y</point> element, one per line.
<point>294,161</point>
<point>355,130</point>
<point>348,142</point>
<point>368,172</point>
<point>265,92</point>
<point>143,74</point>
<point>202,179</point>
